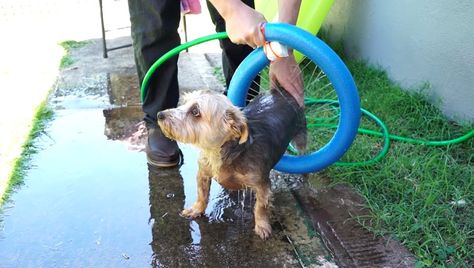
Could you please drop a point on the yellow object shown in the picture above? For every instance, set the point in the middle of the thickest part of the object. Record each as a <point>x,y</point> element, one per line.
<point>311,16</point>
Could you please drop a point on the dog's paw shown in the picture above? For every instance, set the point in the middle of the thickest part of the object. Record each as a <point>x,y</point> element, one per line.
<point>191,213</point>
<point>263,229</point>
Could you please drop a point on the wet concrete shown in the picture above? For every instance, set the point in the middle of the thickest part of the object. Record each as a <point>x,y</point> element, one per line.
<point>82,204</point>
<point>341,218</point>
<point>90,200</point>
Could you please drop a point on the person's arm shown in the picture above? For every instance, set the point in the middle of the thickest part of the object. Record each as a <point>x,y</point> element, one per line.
<point>285,72</point>
<point>243,27</point>
<point>288,11</point>
<point>242,22</point>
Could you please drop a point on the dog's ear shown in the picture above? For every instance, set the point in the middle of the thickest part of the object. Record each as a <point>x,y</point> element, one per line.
<point>244,132</point>
<point>238,125</point>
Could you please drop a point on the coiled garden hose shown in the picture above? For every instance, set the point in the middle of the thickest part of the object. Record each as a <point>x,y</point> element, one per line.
<point>385,134</point>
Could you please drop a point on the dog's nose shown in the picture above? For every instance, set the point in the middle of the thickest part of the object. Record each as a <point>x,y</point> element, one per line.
<point>161,116</point>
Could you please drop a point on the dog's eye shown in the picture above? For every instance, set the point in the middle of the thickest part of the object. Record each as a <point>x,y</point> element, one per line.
<point>195,111</point>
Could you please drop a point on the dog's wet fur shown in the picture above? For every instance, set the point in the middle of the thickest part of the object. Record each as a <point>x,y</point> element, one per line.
<point>238,147</point>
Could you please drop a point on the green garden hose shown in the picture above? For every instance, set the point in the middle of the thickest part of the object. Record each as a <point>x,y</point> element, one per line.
<point>385,134</point>
<point>175,51</point>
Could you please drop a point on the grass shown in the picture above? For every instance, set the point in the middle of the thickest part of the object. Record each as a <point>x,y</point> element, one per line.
<point>42,116</point>
<point>421,195</point>
<point>67,60</point>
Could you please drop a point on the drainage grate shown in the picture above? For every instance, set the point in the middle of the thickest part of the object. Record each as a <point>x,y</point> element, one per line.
<point>361,246</point>
<point>332,213</point>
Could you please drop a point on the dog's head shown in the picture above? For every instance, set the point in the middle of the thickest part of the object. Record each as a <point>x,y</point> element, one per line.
<point>206,119</point>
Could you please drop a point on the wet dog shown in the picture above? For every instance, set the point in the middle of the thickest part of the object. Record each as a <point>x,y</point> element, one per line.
<point>238,147</point>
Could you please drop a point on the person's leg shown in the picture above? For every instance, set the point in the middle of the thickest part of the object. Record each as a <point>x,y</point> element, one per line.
<point>233,54</point>
<point>154,32</point>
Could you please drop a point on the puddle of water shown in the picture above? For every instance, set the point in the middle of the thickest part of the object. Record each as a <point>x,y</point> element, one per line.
<point>125,124</point>
<point>221,238</point>
<point>81,91</point>
<point>82,203</point>
<point>89,201</point>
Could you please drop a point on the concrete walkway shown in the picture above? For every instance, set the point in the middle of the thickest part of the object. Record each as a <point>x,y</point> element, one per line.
<point>95,203</point>
<point>90,200</point>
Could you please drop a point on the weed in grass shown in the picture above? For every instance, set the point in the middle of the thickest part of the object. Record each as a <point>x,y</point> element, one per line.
<point>67,60</point>
<point>422,195</point>
<point>218,73</point>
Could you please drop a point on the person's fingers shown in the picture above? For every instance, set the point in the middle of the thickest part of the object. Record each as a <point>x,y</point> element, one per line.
<point>287,74</point>
<point>253,38</point>
<point>243,26</point>
<point>250,39</point>
<point>259,39</point>
<point>297,93</point>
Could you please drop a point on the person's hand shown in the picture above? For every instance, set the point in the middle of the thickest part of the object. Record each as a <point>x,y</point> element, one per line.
<point>243,25</point>
<point>286,73</point>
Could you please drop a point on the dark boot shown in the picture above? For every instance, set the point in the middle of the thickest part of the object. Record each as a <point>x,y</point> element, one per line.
<point>161,151</point>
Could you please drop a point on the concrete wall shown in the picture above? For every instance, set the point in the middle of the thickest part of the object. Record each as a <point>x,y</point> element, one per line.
<point>415,42</point>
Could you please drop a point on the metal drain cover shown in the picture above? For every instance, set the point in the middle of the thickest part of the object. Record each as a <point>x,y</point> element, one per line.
<point>332,212</point>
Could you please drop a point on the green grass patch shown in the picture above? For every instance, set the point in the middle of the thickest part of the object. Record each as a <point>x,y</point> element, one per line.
<point>67,60</point>
<point>422,195</point>
<point>42,116</point>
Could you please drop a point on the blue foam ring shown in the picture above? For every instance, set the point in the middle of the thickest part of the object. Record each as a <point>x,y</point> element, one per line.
<point>336,71</point>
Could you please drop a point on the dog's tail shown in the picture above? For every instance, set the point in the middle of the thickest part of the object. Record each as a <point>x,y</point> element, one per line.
<point>300,140</point>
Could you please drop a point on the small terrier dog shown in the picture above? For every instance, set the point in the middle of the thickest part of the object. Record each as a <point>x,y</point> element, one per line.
<point>238,147</point>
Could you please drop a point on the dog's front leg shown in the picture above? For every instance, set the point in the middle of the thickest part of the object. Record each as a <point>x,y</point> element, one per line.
<point>204,179</point>
<point>262,224</point>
